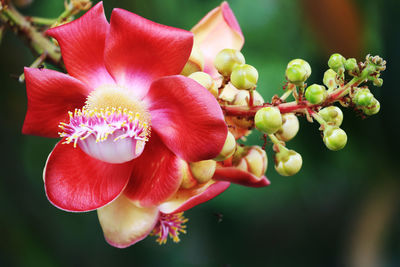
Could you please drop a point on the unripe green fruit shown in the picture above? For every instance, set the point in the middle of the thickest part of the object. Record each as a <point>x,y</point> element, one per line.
<point>298,71</point>
<point>350,64</point>
<point>268,120</point>
<point>288,162</point>
<point>244,76</point>
<point>316,94</point>
<point>373,108</point>
<point>289,128</point>
<point>227,59</point>
<point>335,138</point>
<point>363,97</point>
<point>330,78</point>
<point>336,61</point>
<point>332,115</point>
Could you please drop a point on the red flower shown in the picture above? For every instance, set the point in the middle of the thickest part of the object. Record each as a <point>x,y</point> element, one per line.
<point>132,123</point>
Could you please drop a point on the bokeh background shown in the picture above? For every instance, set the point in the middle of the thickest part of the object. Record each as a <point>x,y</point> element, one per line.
<point>342,209</point>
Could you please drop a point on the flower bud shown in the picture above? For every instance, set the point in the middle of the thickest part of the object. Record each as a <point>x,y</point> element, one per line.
<point>243,97</point>
<point>330,78</point>
<point>268,119</point>
<point>332,115</point>
<point>203,170</point>
<point>316,94</point>
<point>288,162</point>
<point>205,80</point>
<point>336,61</point>
<point>363,97</point>
<point>373,108</point>
<point>378,82</point>
<point>350,64</point>
<point>188,181</point>
<point>298,71</point>
<point>228,149</point>
<point>244,76</point>
<point>251,159</point>
<point>195,62</point>
<point>227,59</point>
<point>289,128</point>
<point>335,138</point>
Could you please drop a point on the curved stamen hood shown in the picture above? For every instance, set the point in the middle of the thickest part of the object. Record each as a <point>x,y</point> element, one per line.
<point>111,135</point>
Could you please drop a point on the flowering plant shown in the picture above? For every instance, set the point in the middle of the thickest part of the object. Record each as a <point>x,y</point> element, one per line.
<point>145,109</point>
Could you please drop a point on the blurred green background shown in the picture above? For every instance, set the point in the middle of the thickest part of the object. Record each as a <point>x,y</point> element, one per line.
<point>342,209</point>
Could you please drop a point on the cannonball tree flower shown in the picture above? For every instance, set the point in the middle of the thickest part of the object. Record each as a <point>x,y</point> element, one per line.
<point>128,122</point>
<point>219,30</point>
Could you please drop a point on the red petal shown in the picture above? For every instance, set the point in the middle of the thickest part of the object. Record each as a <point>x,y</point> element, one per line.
<point>187,117</point>
<point>234,175</point>
<point>186,199</point>
<point>218,30</point>
<point>125,224</point>
<point>139,51</point>
<point>75,181</point>
<point>82,44</point>
<point>51,95</point>
<point>156,174</point>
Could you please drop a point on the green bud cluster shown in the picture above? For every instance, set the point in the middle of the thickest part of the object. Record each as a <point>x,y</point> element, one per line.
<point>316,94</point>
<point>231,63</point>
<point>298,71</point>
<point>227,59</point>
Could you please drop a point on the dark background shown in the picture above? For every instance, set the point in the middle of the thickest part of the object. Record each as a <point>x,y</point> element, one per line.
<point>342,209</point>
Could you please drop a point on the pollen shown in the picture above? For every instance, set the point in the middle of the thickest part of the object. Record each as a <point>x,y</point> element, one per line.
<point>103,123</point>
<point>109,96</point>
<point>169,225</point>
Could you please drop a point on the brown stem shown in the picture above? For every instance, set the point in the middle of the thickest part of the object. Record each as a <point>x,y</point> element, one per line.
<point>36,40</point>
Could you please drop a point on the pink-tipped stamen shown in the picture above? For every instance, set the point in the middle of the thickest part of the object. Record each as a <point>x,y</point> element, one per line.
<point>169,225</point>
<point>100,124</point>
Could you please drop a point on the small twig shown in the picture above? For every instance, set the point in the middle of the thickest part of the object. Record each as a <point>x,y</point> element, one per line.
<point>39,61</point>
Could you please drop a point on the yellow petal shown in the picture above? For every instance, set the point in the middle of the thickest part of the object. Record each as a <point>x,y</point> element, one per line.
<point>124,223</point>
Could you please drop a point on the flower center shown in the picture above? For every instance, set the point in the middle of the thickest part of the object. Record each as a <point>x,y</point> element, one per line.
<point>169,225</point>
<point>113,127</point>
